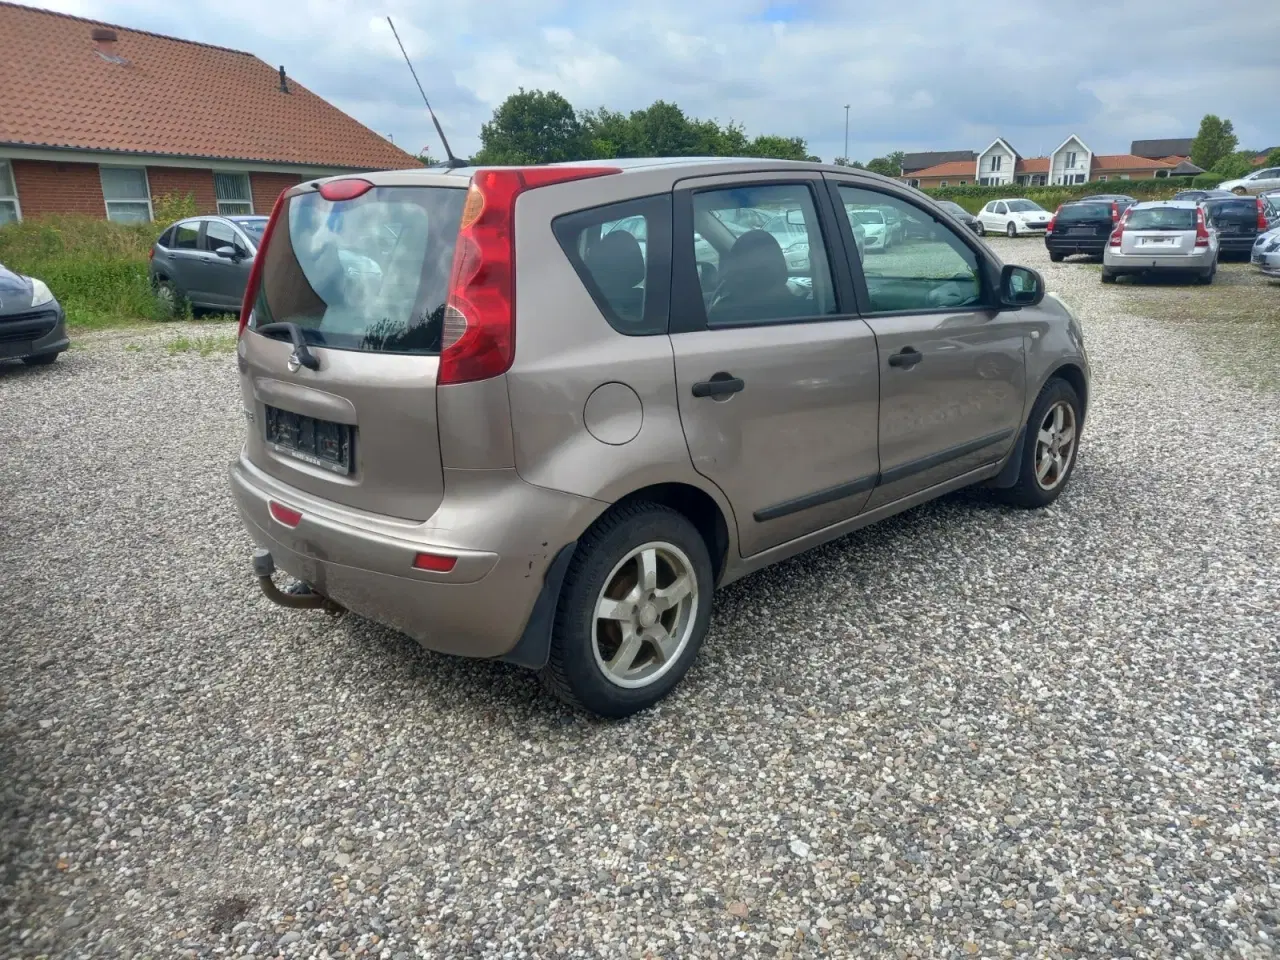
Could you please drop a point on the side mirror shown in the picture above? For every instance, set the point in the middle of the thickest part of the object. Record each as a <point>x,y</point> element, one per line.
<point>795,217</point>
<point>1020,287</point>
<point>228,253</point>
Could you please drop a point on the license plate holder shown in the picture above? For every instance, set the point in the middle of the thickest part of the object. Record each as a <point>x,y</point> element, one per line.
<point>1158,241</point>
<point>1080,232</point>
<point>321,443</point>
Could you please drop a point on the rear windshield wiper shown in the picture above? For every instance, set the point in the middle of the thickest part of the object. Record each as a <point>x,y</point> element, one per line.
<point>300,348</point>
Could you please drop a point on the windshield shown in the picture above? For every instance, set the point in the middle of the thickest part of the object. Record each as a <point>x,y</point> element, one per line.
<point>1085,211</point>
<point>1024,206</point>
<point>1162,218</point>
<point>367,274</point>
<point>952,207</point>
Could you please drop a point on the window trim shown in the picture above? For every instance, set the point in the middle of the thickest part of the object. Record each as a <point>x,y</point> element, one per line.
<point>658,272</point>
<point>218,201</point>
<point>689,313</point>
<point>988,271</point>
<point>146,180</point>
<point>13,179</point>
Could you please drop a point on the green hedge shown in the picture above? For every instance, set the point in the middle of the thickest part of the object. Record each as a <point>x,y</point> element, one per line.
<point>974,197</point>
<point>96,269</point>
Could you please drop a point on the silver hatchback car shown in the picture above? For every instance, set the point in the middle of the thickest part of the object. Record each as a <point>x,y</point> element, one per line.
<point>540,414</point>
<point>1162,236</point>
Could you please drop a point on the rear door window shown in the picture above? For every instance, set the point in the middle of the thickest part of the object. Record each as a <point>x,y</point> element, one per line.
<point>186,236</point>
<point>622,254</point>
<point>368,274</point>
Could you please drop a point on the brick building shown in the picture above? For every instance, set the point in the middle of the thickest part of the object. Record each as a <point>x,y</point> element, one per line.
<point>100,120</point>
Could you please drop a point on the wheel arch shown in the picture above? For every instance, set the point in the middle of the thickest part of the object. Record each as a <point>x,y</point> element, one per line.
<point>699,508</point>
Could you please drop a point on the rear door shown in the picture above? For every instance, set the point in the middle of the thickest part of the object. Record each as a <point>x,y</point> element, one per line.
<point>775,374</point>
<point>365,282</point>
<point>952,370</point>
<point>186,261</point>
<point>1236,219</point>
<point>1159,231</point>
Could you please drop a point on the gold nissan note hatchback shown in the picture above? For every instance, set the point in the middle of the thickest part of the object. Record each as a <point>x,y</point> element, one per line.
<point>541,413</point>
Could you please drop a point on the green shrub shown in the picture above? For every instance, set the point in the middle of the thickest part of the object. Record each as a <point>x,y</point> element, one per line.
<point>974,197</point>
<point>96,269</point>
<point>1206,180</point>
<point>173,206</point>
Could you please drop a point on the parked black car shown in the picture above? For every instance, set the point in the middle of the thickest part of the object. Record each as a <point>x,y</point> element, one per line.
<point>1122,201</point>
<point>33,326</point>
<point>1239,221</point>
<point>205,261</point>
<point>1201,194</point>
<point>1082,226</point>
<point>960,213</point>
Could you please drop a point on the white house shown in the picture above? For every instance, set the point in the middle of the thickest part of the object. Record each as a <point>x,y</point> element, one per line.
<point>996,164</point>
<point>1071,162</point>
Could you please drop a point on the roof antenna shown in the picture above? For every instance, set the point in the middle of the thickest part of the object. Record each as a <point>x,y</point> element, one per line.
<point>451,160</point>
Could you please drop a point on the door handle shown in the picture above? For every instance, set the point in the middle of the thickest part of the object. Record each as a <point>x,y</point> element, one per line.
<point>720,385</point>
<point>906,358</point>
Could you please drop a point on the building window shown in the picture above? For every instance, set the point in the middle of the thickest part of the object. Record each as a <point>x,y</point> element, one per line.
<point>963,182</point>
<point>996,161</point>
<point>1102,178</point>
<point>1039,180</point>
<point>1071,158</point>
<point>127,194</point>
<point>943,183</point>
<point>913,183</point>
<point>10,212</point>
<point>234,196</point>
<point>1161,173</point>
<point>1124,176</point>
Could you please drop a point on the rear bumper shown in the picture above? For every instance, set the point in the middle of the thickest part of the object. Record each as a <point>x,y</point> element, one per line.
<point>478,609</point>
<point>1243,245</point>
<point>34,333</point>
<point>1119,263</point>
<point>1091,245</point>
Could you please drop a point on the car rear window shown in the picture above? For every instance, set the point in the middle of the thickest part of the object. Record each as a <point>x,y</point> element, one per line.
<point>1234,209</point>
<point>1085,211</point>
<point>368,274</point>
<point>1162,218</point>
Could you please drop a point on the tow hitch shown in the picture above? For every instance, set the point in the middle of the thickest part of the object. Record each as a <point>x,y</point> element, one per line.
<point>299,597</point>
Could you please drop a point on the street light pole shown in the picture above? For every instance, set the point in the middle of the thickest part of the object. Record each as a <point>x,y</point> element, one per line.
<point>846,133</point>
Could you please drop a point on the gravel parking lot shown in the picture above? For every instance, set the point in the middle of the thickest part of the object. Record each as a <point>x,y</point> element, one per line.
<point>968,731</point>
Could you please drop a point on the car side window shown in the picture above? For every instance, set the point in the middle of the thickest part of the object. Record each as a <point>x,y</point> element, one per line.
<point>186,236</point>
<point>622,255</point>
<point>218,234</point>
<point>761,254</point>
<point>1001,208</point>
<point>933,269</point>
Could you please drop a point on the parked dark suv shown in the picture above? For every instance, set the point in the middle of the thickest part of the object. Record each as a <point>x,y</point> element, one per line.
<point>205,261</point>
<point>1082,226</point>
<point>1239,221</point>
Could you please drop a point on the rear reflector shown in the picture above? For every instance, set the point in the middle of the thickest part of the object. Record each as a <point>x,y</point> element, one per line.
<point>434,562</point>
<point>480,315</point>
<point>346,189</point>
<point>286,515</point>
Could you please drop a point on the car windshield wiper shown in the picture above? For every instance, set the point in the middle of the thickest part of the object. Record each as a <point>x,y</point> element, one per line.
<point>300,348</point>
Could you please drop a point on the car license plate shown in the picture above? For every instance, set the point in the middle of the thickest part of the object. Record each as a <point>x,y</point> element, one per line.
<point>1158,241</point>
<point>320,443</point>
<point>1080,232</point>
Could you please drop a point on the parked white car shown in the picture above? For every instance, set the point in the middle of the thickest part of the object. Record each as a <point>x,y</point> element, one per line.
<point>1260,181</point>
<point>1013,217</point>
<point>875,231</point>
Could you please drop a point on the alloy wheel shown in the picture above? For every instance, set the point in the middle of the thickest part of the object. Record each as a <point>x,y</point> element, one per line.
<point>645,614</point>
<point>1055,445</point>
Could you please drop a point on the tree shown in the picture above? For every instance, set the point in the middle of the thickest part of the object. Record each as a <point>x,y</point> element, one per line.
<point>426,158</point>
<point>533,127</point>
<point>1235,165</point>
<point>890,166</point>
<point>1215,141</point>
<point>1273,158</point>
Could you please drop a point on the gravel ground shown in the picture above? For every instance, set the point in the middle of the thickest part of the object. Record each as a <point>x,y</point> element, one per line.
<point>968,731</point>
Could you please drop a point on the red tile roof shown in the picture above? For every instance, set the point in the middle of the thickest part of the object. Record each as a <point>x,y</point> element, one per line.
<point>1127,161</point>
<point>952,168</point>
<point>168,96</point>
<point>1032,165</point>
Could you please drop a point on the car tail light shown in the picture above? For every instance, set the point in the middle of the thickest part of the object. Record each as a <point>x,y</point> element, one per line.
<point>434,562</point>
<point>347,188</point>
<point>255,271</point>
<point>1053,219</point>
<point>1115,211</point>
<point>1263,225</point>
<point>1202,231</point>
<point>480,313</point>
<point>286,515</point>
<point>1117,235</point>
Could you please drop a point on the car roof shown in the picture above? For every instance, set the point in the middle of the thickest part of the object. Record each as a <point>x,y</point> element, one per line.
<point>1103,196</point>
<point>1156,204</point>
<point>247,217</point>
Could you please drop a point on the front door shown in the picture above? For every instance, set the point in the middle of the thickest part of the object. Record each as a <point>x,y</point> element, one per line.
<point>952,369</point>
<point>227,277</point>
<point>776,376</point>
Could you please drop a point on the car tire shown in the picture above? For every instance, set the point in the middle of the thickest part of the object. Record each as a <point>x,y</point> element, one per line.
<point>981,229</point>
<point>169,297</point>
<point>40,359</point>
<point>1239,191</point>
<point>589,666</point>
<point>1206,277</point>
<point>1056,257</point>
<point>1046,469</point>
<point>1011,230</point>
<point>1108,276</point>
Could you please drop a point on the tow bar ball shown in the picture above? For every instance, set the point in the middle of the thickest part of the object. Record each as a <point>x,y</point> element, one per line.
<point>301,597</point>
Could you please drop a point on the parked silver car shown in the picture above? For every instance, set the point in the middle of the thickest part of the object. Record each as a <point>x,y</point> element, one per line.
<point>205,261</point>
<point>1162,236</point>
<point>1260,181</point>
<point>1266,253</point>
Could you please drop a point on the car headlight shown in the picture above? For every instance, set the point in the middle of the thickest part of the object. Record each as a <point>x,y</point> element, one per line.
<point>1274,245</point>
<point>40,292</point>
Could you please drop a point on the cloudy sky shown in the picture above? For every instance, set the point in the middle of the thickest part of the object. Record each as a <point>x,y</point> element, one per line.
<point>929,74</point>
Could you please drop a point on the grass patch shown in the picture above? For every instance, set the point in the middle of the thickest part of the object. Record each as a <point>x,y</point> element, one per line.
<point>203,345</point>
<point>96,269</point>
